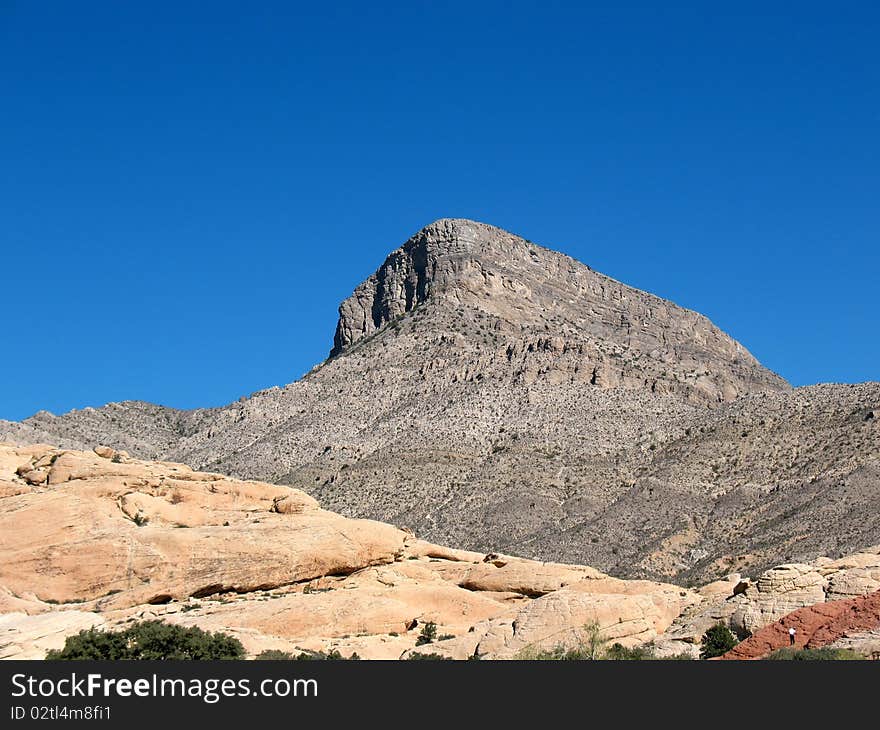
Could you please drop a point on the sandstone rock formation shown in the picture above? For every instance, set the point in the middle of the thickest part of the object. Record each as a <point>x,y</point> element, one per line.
<point>747,606</point>
<point>103,538</point>
<point>495,395</point>
<point>823,624</point>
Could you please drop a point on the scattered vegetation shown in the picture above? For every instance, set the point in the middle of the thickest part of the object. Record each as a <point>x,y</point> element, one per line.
<point>277,655</point>
<point>825,653</point>
<point>717,641</point>
<point>427,656</point>
<point>591,645</point>
<point>149,640</point>
<point>618,652</point>
<point>558,653</point>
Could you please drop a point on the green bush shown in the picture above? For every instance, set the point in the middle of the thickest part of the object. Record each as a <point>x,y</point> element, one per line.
<point>428,634</point>
<point>427,656</point>
<point>275,655</point>
<point>717,641</point>
<point>825,653</point>
<point>333,655</point>
<point>645,652</point>
<point>618,652</point>
<point>149,640</point>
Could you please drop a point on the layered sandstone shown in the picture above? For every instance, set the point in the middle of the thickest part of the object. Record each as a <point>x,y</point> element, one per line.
<point>99,538</point>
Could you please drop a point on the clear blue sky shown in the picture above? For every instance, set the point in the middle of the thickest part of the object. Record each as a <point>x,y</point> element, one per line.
<point>188,190</point>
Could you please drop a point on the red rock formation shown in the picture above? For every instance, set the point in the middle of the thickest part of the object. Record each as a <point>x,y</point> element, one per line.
<point>816,626</point>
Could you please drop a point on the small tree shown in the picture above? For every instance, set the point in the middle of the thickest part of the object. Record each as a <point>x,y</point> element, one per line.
<point>428,634</point>
<point>593,643</point>
<point>717,641</point>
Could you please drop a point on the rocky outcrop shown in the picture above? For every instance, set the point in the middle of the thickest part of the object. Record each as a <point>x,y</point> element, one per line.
<point>161,532</point>
<point>456,264</point>
<point>105,538</point>
<point>777,592</point>
<point>747,606</point>
<point>24,636</point>
<point>816,626</point>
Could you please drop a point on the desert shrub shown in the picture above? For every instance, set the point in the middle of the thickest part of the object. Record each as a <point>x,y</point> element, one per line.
<point>824,653</point>
<point>286,656</point>
<point>427,656</point>
<point>428,634</point>
<point>682,657</point>
<point>557,654</point>
<point>149,640</point>
<point>618,652</point>
<point>717,641</point>
<point>92,644</point>
<point>332,655</point>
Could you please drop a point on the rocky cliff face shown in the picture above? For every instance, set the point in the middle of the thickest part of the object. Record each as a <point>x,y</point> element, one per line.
<point>499,396</point>
<point>575,321</point>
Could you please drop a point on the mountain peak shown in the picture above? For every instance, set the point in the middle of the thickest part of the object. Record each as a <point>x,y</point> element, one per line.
<point>448,254</point>
<point>478,278</point>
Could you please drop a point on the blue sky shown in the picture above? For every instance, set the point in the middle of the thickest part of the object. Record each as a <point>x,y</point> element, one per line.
<point>188,190</point>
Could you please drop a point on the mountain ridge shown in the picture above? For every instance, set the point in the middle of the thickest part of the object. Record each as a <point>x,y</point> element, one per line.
<point>494,394</point>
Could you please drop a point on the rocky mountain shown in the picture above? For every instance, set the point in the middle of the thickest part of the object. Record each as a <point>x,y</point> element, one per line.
<point>489,393</point>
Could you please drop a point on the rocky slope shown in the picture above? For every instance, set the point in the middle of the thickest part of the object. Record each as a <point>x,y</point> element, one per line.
<point>499,396</point>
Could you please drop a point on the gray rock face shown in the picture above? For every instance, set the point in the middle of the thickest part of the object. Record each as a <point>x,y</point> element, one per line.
<point>495,395</point>
<point>542,301</point>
